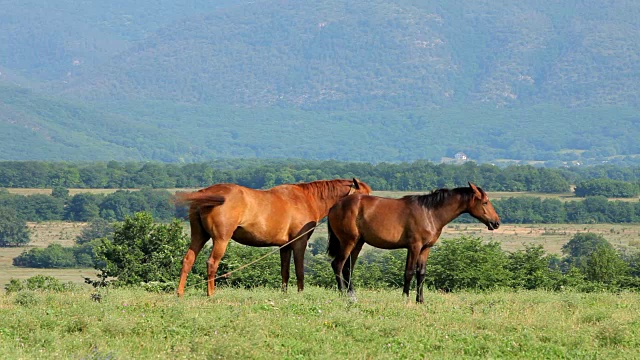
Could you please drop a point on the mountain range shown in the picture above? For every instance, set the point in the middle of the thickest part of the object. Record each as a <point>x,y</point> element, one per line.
<point>349,80</point>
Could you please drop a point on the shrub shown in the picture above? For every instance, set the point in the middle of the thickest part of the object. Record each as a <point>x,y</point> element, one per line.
<point>318,270</point>
<point>380,268</point>
<point>97,228</point>
<point>53,256</point>
<point>265,272</point>
<point>467,263</point>
<point>530,269</point>
<point>26,298</point>
<point>13,230</point>
<point>39,282</point>
<point>605,265</point>
<point>581,245</point>
<point>142,251</point>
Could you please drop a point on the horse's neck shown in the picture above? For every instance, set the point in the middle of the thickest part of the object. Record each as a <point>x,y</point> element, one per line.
<point>449,211</point>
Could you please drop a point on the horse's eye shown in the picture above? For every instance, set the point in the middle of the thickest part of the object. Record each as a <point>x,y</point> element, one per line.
<point>485,203</point>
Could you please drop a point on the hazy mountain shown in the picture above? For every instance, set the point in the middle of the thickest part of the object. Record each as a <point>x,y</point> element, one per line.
<point>356,80</point>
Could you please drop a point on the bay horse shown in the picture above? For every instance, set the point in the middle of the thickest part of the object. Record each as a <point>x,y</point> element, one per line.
<point>253,217</point>
<point>413,222</point>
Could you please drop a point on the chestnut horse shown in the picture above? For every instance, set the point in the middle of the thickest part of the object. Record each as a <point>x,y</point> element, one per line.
<point>413,222</point>
<point>252,217</point>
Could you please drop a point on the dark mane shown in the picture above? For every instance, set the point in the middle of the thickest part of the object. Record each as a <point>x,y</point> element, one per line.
<point>439,197</point>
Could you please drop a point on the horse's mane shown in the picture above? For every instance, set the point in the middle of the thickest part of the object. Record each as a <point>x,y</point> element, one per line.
<point>326,189</point>
<point>439,197</point>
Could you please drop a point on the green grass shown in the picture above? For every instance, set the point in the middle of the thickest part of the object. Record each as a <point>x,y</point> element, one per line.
<point>318,323</point>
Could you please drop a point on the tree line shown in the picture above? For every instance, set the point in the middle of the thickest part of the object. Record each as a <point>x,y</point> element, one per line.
<point>414,176</point>
<point>118,205</point>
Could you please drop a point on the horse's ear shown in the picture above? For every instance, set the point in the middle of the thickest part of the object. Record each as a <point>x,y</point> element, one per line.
<point>356,184</point>
<point>476,191</point>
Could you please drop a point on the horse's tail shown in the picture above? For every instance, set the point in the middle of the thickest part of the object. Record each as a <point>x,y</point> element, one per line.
<point>334,243</point>
<point>198,200</point>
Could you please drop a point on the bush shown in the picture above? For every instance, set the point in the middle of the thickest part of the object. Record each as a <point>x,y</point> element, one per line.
<point>142,251</point>
<point>580,247</point>
<point>26,298</point>
<point>40,283</point>
<point>13,230</point>
<point>467,263</point>
<point>53,256</point>
<point>265,272</point>
<point>530,269</point>
<point>380,268</point>
<point>318,270</point>
<point>97,228</point>
<point>605,265</point>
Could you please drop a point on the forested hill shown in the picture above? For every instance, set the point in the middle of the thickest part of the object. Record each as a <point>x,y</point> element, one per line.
<point>402,79</point>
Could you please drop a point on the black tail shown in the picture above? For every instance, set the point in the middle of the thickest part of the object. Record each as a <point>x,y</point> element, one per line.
<point>334,243</point>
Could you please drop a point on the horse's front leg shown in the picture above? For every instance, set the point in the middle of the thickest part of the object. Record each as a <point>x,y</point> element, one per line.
<point>410,269</point>
<point>285,265</point>
<point>422,271</point>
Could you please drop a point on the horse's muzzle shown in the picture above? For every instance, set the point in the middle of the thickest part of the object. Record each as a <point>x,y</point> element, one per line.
<point>493,225</point>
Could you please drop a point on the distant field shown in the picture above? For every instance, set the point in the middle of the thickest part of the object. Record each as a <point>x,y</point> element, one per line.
<point>43,234</point>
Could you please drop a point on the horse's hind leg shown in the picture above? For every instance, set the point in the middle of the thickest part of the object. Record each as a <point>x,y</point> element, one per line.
<point>285,264</point>
<point>347,271</point>
<point>219,248</point>
<point>339,262</point>
<point>410,268</point>
<point>199,237</point>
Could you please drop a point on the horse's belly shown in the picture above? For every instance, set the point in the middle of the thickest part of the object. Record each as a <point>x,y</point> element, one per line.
<point>245,237</point>
<point>383,243</point>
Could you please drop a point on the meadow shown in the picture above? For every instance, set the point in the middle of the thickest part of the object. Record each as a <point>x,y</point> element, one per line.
<point>320,324</point>
<point>265,323</point>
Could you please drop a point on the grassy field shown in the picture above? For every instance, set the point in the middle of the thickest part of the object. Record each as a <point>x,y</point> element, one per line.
<point>319,324</point>
<point>267,324</point>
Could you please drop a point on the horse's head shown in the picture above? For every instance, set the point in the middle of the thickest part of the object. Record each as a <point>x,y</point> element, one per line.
<point>359,187</point>
<point>481,208</point>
